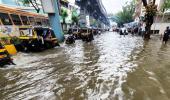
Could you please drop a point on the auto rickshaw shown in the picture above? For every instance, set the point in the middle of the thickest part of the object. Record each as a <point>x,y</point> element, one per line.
<point>5,41</point>
<point>95,31</point>
<point>70,39</point>
<point>76,33</point>
<point>86,34</point>
<point>5,58</point>
<point>37,38</point>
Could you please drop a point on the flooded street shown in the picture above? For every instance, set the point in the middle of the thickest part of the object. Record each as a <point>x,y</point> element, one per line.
<point>109,68</point>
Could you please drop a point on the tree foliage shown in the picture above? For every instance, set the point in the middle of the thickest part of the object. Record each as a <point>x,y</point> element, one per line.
<point>31,2</point>
<point>166,5</point>
<point>126,15</point>
<point>75,17</point>
<point>64,15</point>
<point>25,2</point>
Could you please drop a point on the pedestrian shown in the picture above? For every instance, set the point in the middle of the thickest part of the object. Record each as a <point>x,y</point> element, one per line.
<point>120,32</point>
<point>70,39</point>
<point>132,31</point>
<point>70,31</point>
<point>140,31</point>
<point>136,30</point>
<point>166,35</point>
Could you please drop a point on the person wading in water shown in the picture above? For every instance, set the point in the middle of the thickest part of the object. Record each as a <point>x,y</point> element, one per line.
<point>166,35</point>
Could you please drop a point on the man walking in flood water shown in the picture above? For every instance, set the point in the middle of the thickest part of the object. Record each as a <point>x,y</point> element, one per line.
<point>166,35</point>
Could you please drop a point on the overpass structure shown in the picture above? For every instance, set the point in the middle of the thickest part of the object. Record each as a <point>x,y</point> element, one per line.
<point>95,9</point>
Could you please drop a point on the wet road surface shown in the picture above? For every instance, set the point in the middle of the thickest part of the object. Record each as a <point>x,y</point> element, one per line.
<point>109,68</point>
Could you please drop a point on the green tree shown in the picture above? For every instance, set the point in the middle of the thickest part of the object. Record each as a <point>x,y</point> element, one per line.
<point>126,15</point>
<point>166,5</point>
<point>64,15</point>
<point>31,2</point>
<point>75,17</point>
<point>25,2</point>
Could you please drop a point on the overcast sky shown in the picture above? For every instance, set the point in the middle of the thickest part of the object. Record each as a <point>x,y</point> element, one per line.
<point>113,6</point>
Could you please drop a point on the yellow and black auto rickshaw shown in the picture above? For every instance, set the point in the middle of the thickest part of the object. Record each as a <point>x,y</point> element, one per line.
<point>7,49</point>
<point>37,38</point>
<point>76,33</point>
<point>5,58</point>
<point>86,34</point>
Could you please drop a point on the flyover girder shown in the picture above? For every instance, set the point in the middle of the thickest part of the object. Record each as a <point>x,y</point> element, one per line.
<point>94,9</point>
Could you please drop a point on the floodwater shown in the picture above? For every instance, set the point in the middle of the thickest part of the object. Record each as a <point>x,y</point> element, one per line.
<point>109,68</point>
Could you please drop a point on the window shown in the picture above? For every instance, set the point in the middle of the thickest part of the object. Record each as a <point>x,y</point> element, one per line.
<point>47,22</point>
<point>5,19</point>
<point>38,21</point>
<point>154,31</point>
<point>32,21</point>
<point>16,19</point>
<point>25,20</point>
<point>43,22</point>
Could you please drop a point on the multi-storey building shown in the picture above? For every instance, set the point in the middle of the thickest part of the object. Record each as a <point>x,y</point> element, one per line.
<point>69,7</point>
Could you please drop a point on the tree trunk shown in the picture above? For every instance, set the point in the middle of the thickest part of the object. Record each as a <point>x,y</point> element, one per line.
<point>35,6</point>
<point>144,2</point>
<point>148,32</point>
<point>154,2</point>
<point>149,21</point>
<point>62,25</point>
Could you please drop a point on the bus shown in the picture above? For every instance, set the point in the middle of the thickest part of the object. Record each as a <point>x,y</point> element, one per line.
<point>16,23</point>
<point>11,19</point>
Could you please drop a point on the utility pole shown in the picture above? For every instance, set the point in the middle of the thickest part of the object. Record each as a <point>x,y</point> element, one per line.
<point>51,7</point>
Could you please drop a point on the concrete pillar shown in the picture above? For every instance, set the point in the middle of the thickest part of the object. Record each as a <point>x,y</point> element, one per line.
<point>54,19</point>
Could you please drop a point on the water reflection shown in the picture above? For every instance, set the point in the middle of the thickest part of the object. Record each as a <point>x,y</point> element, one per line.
<point>151,78</point>
<point>95,70</point>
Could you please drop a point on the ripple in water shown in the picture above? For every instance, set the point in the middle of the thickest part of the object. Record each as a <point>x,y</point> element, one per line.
<point>81,71</point>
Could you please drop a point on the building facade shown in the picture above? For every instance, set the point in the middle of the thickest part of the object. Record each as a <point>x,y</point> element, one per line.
<point>161,20</point>
<point>71,8</point>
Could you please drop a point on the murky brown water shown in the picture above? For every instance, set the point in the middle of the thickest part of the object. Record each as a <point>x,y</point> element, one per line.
<point>151,79</point>
<point>109,68</point>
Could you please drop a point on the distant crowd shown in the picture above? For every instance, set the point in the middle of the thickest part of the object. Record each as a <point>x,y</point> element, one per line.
<point>140,31</point>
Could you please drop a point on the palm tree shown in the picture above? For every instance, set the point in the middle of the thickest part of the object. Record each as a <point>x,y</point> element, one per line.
<point>150,12</point>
